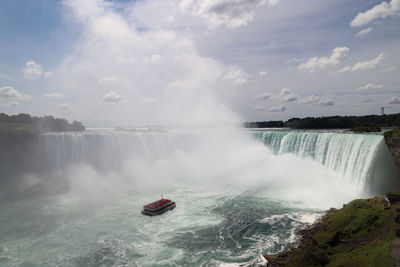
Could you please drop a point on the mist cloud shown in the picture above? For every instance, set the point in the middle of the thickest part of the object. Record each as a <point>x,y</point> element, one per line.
<point>190,88</point>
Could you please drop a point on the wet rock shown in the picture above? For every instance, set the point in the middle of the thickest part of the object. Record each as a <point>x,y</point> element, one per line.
<point>397,233</point>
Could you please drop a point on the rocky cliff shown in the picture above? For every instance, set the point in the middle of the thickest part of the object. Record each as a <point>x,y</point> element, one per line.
<point>392,139</point>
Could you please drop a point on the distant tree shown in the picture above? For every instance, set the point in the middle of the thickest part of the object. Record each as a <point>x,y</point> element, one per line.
<point>41,124</point>
<point>332,122</point>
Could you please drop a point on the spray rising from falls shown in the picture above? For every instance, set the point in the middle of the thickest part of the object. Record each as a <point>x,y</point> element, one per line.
<point>107,151</point>
<point>363,159</point>
<point>235,194</point>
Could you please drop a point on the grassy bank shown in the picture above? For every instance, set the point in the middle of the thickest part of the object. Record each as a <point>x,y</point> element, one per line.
<point>359,234</point>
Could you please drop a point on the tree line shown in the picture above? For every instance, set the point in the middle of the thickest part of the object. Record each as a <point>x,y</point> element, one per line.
<point>40,124</point>
<point>331,122</point>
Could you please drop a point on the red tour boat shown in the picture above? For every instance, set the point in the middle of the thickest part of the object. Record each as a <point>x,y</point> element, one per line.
<point>158,207</point>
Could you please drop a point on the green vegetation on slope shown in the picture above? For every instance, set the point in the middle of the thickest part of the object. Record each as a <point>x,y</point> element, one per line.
<point>366,129</point>
<point>395,132</point>
<point>359,234</point>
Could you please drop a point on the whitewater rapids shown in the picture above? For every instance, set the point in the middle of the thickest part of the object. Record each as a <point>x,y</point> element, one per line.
<point>237,193</point>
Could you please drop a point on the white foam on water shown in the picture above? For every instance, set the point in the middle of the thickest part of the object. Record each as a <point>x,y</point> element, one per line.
<point>112,175</point>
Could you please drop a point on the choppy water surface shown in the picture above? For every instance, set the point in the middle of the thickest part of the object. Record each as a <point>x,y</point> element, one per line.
<point>205,228</point>
<point>236,197</point>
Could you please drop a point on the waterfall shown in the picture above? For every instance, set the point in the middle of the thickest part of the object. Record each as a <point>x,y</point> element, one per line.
<point>107,150</point>
<point>362,158</point>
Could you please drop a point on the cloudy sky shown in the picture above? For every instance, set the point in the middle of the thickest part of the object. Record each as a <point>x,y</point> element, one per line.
<point>198,61</point>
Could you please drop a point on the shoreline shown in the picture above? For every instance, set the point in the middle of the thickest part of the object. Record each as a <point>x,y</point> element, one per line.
<point>362,233</point>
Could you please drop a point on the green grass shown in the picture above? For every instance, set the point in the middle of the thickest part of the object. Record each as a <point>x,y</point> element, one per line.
<point>363,129</point>
<point>359,234</point>
<point>394,132</point>
<point>372,254</point>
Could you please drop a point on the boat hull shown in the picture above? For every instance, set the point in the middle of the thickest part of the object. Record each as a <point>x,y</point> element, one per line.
<point>158,212</point>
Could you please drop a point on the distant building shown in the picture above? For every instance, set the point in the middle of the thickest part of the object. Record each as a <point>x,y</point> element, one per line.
<point>382,111</point>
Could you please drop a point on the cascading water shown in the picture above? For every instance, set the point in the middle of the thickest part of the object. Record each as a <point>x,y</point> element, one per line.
<point>357,157</point>
<point>235,195</point>
<point>108,150</point>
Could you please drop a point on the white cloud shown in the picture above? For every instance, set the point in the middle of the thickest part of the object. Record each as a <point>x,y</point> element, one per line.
<point>65,106</point>
<point>312,99</point>
<point>367,101</point>
<point>326,102</point>
<point>262,73</point>
<point>316,100</point>
<point>345,69</point>
<point>113,97</point>
<point>258,108</point>
<point>8,92</point>
<point>339,54</point>
<point>230,13</point>
<point>273,2</point>
<point>395,100</point>
<point>364,32</point>
<point>12,104</point>
<point>370,64</point>
<point>108,80</point>
<point>48,74</point>
<point>285,92</point>
<point>364,65</point>
<point>381,11</point>
<point>54,95</point>
<point>32,70</point>
<point>287,95</point>
<point>279,108</point>
<point>389,69</point>
<point>155,59</point>
<point>5,77</point>
<point>293,60</point>
<point>290,98</point>
<point>370,87</point>
<point>238,76</point>
<point>264,96</point>
<point>148,100</point>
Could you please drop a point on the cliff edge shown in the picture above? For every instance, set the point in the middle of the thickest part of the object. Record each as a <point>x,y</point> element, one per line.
<point>392,139</point>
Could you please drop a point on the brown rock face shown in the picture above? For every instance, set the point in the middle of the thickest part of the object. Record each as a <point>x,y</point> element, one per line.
<point>393,142</point>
